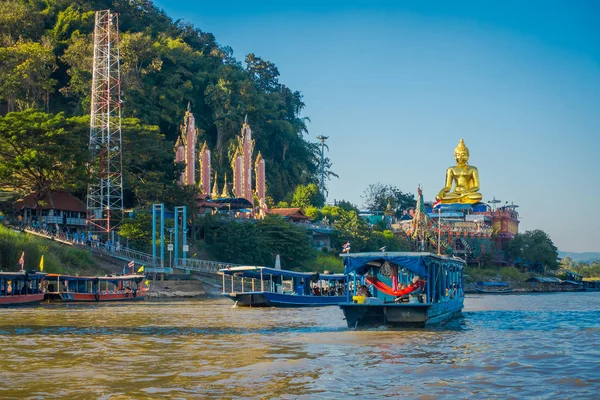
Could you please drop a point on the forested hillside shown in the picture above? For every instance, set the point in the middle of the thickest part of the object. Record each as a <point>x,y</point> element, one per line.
<point>46,53</point>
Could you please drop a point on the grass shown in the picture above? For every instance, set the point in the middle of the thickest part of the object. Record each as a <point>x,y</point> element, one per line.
<point>329,262</point>
<point>58,258</point>
<point>502,274</point>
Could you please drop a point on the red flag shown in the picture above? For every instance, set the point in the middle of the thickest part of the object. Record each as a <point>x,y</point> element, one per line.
<point>22,261</point>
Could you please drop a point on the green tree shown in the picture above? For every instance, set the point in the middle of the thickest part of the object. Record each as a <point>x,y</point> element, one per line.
<point>534,250</point>
<point>26,74</point>
<point>41,152</point>
<point>377,196</point>
<point>306,196</point>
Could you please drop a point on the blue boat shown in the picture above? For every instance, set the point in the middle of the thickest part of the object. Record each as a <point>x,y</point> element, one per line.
<point>402,289</point>
<point>255,286</point>
<point>21,288</point>
<point>493,287</point>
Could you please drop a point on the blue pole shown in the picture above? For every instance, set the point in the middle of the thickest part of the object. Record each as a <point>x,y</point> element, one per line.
<point>154,234</point>
<point>162,235</point>
<point>184,231</point>
<point>176,236</point>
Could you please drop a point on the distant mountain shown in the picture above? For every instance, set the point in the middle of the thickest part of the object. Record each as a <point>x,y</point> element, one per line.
<point>585,257</point>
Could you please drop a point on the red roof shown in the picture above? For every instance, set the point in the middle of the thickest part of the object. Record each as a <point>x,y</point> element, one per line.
<point>57,200</point>
<point>292,213</point>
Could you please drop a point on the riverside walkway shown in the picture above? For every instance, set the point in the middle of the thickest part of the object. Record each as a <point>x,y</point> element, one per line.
<point>150,263</point>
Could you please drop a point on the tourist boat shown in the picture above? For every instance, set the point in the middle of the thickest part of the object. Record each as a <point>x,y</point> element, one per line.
<point>21,288</point>
<point>493,287</point>
<point>252,286</point>
<point>402,289</point>
<point>591,285</point>
<point>70,288</point>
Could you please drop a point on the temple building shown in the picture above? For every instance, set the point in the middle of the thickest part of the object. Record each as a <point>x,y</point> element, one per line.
<point>461,223</point>
<point>185,149</point>
<point>242,166</point>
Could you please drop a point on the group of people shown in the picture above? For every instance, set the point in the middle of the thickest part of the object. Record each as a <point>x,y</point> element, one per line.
<point>337,290</point>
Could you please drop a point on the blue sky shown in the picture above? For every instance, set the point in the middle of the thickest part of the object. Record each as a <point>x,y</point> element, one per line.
<point>395,85</point>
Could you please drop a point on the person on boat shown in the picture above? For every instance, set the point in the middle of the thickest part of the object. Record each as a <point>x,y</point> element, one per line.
<point>9,288</point>
<point>316,291</point>
<point>363,290</point>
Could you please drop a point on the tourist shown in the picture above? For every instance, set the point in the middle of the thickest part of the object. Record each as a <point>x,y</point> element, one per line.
<point>363,290</point>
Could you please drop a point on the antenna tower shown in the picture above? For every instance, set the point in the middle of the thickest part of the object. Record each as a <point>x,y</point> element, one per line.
<point>105,191</point>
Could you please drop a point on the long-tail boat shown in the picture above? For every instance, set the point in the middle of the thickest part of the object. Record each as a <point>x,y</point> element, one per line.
<point>256,286</point>
<point>70,288</point>
<point>21,288</point>
<point>402,289</point>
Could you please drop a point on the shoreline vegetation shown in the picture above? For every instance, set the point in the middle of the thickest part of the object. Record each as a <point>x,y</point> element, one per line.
<point>72,260</point>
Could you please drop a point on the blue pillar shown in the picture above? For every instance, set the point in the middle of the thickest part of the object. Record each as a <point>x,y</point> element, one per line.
<point>184,231</point>
<point>162,235</point>
<point>176,248</point>
<point>154,234</point>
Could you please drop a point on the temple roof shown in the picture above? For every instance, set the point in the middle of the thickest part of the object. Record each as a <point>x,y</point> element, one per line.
<point>55,200</point>
<point>291,213</point>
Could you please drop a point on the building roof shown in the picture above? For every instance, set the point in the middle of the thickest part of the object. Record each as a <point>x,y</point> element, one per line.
<point>54,200</point>
<point>544,279</point>
<point>291,213</point>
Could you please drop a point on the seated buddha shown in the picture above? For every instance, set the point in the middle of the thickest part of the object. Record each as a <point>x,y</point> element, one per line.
<point>465,179</point>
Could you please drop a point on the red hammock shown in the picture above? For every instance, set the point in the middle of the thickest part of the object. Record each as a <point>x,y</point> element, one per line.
<point>388,290</point>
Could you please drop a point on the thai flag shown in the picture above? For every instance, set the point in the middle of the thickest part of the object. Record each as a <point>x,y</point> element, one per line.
<point>437,204</point>
<point>22,261</point>
<point>131,264</point>
<point>346,247</point>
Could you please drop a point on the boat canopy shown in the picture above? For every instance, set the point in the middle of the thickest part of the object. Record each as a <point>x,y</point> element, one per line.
<point>415,262</point>
<point>94,278</point>
<point>492,284</point>
<point>255,272</point>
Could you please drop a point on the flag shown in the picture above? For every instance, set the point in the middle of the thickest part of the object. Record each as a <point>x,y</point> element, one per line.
<point>141,269</point>
<point>437,204</point>
<point>42,263</point>
<point>147,283</point>
<point>22,261</point>
<point>131,264</point>
<point>346,247</point>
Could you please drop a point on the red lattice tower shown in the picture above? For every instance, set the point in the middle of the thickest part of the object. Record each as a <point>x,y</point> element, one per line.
<point>105,191</point>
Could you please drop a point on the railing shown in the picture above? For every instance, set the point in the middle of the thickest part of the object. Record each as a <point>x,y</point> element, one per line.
<point>202,265</point>
<point>150,263</point>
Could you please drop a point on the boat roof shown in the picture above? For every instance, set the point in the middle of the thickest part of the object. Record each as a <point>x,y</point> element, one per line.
<point>497,284</point>
<point>413,261</point>
<point>255,272</point>
<point>16,274</point>
<point>544,279</point>
<point>92,278</point>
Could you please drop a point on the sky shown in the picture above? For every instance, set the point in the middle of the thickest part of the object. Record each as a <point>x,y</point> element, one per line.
<point>395,85</point>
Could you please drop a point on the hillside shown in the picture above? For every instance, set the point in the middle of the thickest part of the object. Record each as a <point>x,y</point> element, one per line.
<point>577,257</point>
<point>46,52</point>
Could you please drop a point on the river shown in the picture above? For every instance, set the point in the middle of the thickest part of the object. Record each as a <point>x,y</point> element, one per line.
<point>504,346</point>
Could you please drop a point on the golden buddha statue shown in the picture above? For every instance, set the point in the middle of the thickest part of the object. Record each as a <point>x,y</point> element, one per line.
<point>464,177</point>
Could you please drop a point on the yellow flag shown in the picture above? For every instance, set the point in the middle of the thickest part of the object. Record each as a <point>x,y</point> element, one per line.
<point>42,263</point>
<point>147,283</point>
<point>141,269</point>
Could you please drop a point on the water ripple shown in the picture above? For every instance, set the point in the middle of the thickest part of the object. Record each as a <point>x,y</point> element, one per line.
<point>538,346</point>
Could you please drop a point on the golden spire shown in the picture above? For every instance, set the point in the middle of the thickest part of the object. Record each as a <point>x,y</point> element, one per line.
<point>225,193</point>
<point>215,190</point>
<point>461,147</point>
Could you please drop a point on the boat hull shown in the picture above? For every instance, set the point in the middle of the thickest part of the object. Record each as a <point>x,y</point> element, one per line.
<point>478,290</point>
<point>269,299</point>
<point>402,315</point>
<point>21,300</point>
<point>94,298</point>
